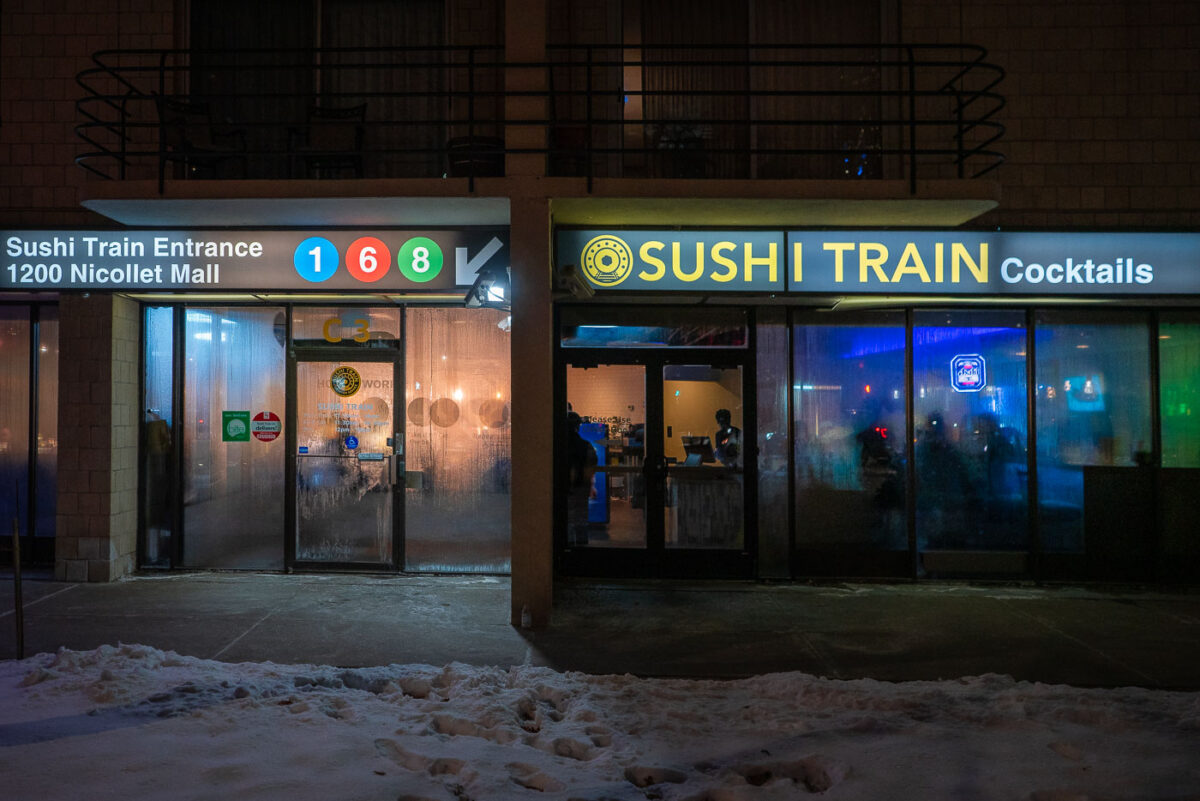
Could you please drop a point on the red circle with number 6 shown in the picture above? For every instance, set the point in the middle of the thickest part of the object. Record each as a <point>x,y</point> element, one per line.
<point>368,259</point>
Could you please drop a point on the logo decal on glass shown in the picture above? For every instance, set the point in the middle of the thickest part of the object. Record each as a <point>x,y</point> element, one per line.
<point>235,426</point>
<point>607,260</point>
<point>345,381</point>
<point>968,373</point>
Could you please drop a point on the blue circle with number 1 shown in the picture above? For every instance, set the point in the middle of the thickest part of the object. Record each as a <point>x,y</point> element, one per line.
<point>351,442</point>
<point>316,259</point>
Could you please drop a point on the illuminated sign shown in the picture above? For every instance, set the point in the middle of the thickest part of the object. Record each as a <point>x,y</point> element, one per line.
<point>699,261</point>
<point>993,263</point>
<point>968,373</point>
<point>885,262</point>
<point>257,261</point>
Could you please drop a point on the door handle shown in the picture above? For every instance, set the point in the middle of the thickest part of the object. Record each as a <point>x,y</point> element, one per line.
<point>656,468</point>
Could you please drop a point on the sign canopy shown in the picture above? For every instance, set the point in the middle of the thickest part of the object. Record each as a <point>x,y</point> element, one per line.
<point>242,260</point>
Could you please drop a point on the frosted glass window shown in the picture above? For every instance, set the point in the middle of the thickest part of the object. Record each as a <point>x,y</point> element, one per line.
<point>233,496</point>
<point>47,421</point>
<point>158,447</point>
<point>458,440</point>
<point>14,416</point>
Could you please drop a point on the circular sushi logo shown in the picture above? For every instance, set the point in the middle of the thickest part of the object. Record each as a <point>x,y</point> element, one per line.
<point>607,260</point>
<point>345,381</point>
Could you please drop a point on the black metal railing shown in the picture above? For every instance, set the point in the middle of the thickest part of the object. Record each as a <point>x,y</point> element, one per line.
<point>770,111</point>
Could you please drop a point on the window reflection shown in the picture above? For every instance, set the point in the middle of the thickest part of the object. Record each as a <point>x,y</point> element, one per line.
<point>1093,409</point>
<point>970,409</point>
<point>848,397</point>
<point>1179,393</point>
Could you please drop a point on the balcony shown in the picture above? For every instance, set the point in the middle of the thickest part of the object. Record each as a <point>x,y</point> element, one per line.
<point>850,113</point>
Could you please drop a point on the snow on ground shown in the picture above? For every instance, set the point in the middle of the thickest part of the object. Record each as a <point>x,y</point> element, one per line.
<point>133,722</point>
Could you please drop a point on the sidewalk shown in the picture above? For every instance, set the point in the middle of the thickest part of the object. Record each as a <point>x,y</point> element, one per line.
<point>895,632</point>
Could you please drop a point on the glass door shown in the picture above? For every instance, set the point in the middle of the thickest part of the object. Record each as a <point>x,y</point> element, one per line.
<point>605,478</point>
<point>348,457</point>
<point>654,470</point>
<point>702,464</point>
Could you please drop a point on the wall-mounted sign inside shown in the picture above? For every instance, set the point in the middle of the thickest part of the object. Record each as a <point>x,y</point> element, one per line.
<point>968,372</point>
<point>261,261</point>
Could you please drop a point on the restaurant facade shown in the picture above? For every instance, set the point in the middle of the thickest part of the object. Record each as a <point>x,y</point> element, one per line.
<point>801,305</point>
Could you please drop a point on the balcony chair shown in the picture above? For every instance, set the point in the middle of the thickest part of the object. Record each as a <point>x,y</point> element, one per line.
<point>330,142</point>
<point>188,137</point>
<point>475,156</point>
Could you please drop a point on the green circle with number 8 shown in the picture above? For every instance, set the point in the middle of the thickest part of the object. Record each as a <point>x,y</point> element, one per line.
<point>420,259</point>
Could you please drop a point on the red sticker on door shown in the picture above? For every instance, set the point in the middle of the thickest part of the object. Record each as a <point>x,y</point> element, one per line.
<point>266,426</point>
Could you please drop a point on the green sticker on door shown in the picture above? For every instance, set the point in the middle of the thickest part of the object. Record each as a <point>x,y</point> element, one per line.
<point>235,426</point>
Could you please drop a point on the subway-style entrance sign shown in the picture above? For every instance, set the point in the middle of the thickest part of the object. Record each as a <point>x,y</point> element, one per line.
<point>885,262</point>
<point>268,261</point>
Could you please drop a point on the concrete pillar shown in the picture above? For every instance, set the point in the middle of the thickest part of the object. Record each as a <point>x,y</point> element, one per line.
<point>532,355</point>
<point>533,413</point>
<point>96,533</point>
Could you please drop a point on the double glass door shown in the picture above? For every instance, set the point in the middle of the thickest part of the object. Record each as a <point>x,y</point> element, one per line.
<point>348,462</point>
<point>655,472</point>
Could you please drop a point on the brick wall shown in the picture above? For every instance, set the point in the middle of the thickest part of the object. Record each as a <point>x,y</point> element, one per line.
<point>98,438</point>
<point>44,44</point>
<point>1103,110</point>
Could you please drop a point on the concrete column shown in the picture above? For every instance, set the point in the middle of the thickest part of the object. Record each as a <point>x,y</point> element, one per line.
<point>533,413</point>
<point>532,355</point>
<point>96,532</point>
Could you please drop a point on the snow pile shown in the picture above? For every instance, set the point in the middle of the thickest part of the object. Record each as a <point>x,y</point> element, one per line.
<point>136,722</point>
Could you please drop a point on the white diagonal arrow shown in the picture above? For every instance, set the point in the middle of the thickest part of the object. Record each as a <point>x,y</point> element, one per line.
<point>466,269</point>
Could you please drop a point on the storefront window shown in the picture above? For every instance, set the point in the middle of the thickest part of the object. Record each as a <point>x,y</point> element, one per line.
<point>233,482</point>
<point>1179,390</point>
<point>849,406</point>
<point>771,360</point>
<point>1179,398</point>
<point>158,446</point>
<point>47,421</point>
<point>662,328</point>
<point>458,441</point>
<point>1093,414</point>
<point>970,421</point>
<point>14,415</point>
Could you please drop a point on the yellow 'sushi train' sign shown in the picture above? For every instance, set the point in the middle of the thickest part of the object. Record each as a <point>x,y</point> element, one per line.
<point>891,262</point>
<point>744,260</point>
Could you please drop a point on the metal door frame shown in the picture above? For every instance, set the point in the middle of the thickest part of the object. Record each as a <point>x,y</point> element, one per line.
<point>334,353</point>
<point>655,559</point>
